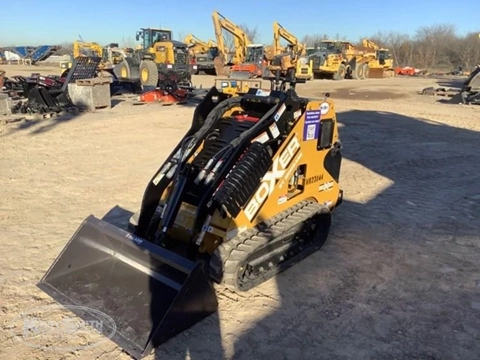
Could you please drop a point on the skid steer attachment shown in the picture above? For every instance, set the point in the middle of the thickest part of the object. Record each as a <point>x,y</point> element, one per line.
<point>246,193</point>
<point>151,293</point>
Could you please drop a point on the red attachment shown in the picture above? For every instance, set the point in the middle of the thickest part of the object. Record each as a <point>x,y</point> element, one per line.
<point>166,98</point>
<point>246,118</point>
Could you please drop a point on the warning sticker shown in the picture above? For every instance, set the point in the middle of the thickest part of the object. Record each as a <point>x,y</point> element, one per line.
<point>274,130</point>
<point>312,125</point>
<point>280,112</point>
<point>261,92</point>
<point>263,137</point>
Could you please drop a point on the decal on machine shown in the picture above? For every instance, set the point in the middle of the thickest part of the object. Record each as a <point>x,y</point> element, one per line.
<point>261,92</point>
<point>326,186</point>
<point>236,231</point>
<point>297,114</point>
<point>311,127</point>
<point>274,130</point>
<point>313,179</point>
<point>277,172</point>
<point>324,108</point>
<point>262,138</point>
<point>282,199</point>
<point>280,112</point>
<point>134,238</point>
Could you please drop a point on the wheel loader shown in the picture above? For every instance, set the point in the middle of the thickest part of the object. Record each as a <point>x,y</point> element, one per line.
<point>247,192</point>
<point>158,58</point>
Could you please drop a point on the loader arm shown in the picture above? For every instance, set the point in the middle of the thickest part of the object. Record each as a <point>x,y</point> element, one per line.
<point>198,45</point>
<point>92,46</point>
<point>240,38</point>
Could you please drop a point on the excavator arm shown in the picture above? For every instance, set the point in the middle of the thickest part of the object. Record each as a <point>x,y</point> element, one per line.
<point>78,46</point>
<point>369,44</point>
<point>241,39</point>
<point>280,32</point>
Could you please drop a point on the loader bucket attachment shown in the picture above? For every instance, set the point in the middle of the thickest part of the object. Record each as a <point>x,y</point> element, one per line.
<point>376,73</point>
<point>150,293</point>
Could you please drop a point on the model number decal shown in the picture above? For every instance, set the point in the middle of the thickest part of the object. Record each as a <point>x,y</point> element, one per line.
<point>270,179</point>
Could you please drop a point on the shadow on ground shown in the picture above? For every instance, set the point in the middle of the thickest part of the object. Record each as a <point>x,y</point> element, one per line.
<point>399,277</point>
<point>361,94</point>
<point>37,124</point>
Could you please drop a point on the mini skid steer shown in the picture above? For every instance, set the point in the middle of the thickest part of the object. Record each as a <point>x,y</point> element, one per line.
<point>248,191</point>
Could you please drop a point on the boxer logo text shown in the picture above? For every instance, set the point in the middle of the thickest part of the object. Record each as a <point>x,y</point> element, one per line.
<point>280,165</point>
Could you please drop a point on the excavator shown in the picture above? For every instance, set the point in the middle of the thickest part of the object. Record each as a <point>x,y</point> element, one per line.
<point>248,191</point>
<point>249,60</point>
<point>203,54</point>
<point>380,60</point>
<point>159,59</point>
<point>298,50</point>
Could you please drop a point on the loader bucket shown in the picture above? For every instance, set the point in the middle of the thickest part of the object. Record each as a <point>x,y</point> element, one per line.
<point>150,293</point>
<point>376,73</point>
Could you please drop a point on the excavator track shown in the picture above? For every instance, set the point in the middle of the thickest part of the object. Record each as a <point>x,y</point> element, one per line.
<point>260,253</point>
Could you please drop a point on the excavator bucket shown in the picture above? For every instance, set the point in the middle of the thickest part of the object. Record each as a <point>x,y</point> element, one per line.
<point>150,293</point>
<point>470,91</point>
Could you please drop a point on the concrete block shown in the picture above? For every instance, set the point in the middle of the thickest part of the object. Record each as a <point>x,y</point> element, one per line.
<point>91,94</point>
<point>5,105</point>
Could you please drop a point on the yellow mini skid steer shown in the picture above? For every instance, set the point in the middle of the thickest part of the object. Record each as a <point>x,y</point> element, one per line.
<point>248,191</point>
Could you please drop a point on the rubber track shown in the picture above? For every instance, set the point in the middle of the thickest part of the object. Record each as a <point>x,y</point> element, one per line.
<point>230,254</point>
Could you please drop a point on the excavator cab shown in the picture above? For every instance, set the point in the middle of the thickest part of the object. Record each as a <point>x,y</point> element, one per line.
<point>254,54</point>
<point>254,64</point>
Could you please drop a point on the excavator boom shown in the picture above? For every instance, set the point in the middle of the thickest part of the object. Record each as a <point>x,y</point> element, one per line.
<point>240,38</point>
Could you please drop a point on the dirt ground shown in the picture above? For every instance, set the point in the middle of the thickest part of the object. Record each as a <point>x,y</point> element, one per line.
<point>399,277</point>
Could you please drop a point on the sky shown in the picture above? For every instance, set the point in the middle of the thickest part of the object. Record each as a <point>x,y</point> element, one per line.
<point>107,21</point>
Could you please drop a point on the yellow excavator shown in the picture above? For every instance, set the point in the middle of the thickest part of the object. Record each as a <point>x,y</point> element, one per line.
<point>228,57</point>
<point>380,60</point>
<point>303,66</point>
<point>246,193</point>
<point>249,60</point>
<point>202,54</point>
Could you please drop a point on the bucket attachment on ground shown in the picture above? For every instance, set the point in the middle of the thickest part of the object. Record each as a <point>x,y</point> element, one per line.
<point>376,73</point>
<point>151,294</point>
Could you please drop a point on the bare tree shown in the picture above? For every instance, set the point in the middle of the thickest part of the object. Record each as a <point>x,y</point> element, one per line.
<point>181,35</point>
<point>66,48</point>
<point>468,50</point>
<point>128,42</point>
<point>434,44</point>
<point>252,34</point>
<point>312,40</point>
